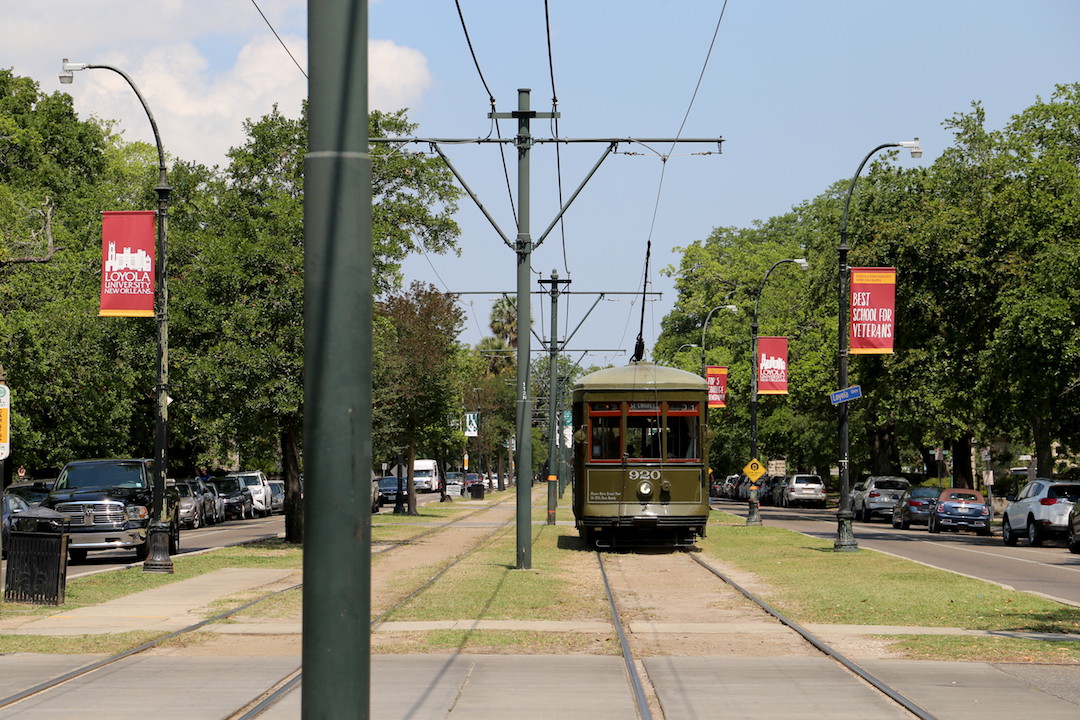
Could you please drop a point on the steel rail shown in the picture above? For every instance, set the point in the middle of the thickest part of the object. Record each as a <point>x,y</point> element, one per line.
<point>631,670</point>
<point>857,669</point>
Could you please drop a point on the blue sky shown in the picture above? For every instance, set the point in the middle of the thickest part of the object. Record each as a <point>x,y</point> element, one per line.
<point>799,91</point>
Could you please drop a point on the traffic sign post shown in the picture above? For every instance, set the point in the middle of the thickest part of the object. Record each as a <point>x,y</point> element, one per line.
<point>754,470</point>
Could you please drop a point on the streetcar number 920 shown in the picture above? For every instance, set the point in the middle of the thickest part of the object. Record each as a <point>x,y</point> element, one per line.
<point>644,474</point>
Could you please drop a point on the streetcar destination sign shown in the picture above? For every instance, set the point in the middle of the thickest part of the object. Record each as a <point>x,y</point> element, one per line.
<point>852,393</point>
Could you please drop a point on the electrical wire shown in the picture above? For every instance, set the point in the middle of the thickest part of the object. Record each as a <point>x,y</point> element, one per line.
<point>555,125</point>
<point>267,21</point>
<point>639,344</point>
<point>491,102</point>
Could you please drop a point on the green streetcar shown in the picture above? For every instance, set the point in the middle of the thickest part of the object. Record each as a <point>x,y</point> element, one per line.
<point>639,440</point>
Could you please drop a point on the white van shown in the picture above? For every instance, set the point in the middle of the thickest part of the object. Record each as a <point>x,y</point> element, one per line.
<point>426,476</point>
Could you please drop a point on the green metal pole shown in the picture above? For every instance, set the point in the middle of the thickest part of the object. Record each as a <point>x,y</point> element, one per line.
<point>337,367</point>
<point>553,391</point>
<point>524,314</point>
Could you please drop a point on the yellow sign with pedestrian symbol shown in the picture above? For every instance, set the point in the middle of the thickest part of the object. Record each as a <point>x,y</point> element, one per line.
<point>754,470</point>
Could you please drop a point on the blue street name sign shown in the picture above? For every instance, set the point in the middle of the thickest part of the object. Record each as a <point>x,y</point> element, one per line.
<point>846,394</point>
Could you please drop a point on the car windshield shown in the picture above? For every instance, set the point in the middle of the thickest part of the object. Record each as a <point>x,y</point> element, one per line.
<point>807,480</point>
<point>95,476</point>
<point>921,492</point>
<point>891,485</point>
<point>229,484</point>
<point>967,496</point>
<point>389,483</point>
<point>252,481</point>
<point>184,489</point>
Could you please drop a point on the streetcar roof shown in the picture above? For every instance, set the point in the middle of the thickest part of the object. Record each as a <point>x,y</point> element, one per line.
<point>641,375</point>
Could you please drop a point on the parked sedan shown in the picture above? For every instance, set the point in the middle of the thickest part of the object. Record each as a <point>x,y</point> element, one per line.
<point>277,497</point>
<point>237,497</point>
<point>33,492</point>
<point>1040,510</point>
<point>801,489</point>
<point>960,509</point>
<point>388,487</point>
<point>191,508</point>
<point>18,515</point>
<point>913,507</point>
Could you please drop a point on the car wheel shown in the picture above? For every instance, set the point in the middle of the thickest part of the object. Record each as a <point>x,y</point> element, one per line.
<point>1033,534</point>
<point>1008,536</point>
<point>1074,541</point>
<point>895,522</point>
<point>867,516</point>
<point>196,520</point>
<point>143,551</point>
<point>77,556</point>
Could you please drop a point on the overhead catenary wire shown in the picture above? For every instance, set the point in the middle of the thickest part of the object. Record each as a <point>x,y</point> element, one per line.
<point>287,51</point>
<point>639,344</point>
<point>555,129</point>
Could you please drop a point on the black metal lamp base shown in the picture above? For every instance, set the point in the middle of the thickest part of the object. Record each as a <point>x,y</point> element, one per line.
<point>158,538</point>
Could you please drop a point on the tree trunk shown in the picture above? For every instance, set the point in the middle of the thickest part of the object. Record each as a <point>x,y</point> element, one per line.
<point>884,456</point>
<point>294,499</point>
<point>961,456</point>
<point>502,462</point>
<point>411,481</point>
<point>934,468</point>
<point>1044,448</point>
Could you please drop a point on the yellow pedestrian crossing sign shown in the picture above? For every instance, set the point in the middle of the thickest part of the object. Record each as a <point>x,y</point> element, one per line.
<point>753,470</point>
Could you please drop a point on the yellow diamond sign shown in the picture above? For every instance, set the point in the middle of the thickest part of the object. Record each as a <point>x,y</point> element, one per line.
<point>754,470</point>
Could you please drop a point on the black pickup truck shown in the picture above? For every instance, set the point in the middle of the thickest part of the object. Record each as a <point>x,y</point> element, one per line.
<point>108,505</point>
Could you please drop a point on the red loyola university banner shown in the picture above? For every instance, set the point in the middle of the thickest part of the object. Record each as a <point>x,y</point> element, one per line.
<point>873,310</point>
<point>127,263</point>
<point>772,366</point>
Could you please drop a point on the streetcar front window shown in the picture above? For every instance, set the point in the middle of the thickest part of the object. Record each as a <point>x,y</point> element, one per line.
<point>642,436</point>
<point>682,431</point>
<point>605,426</point>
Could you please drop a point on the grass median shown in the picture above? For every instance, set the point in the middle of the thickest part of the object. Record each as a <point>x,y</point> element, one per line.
<point>803,577</point>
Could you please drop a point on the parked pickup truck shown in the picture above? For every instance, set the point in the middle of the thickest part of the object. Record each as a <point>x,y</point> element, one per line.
<point>107,505</point>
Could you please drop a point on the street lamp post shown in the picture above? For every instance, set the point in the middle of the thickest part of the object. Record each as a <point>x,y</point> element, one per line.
<point>752,516</point>
<point>705,327</point>
<point>158,559</point>
<point>845,539</point>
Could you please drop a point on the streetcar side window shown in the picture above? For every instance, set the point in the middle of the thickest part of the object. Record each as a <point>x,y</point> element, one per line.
<point>682,431</point>
<point>605,421</point>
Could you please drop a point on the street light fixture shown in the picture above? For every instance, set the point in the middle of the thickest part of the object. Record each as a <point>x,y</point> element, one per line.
<point>158,559</point>
<point>705,327</point>
<point>752,516</point>
<point>845,539</point>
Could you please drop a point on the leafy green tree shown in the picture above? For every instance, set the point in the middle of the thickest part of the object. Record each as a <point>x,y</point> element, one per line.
<point>426,324</point>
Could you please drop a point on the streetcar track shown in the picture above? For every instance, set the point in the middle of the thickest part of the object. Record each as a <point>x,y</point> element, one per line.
<point>283,686</point>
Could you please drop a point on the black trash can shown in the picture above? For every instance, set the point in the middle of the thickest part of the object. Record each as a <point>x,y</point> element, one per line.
<point>476,491</point>
<point>37,568</point>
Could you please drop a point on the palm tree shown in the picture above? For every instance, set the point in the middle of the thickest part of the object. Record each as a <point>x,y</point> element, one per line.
<point>497,353</point>
<point>503,320</point>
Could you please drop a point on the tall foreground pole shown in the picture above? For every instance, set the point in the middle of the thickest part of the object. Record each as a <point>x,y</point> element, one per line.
<point>337,367</point>
<point>524,316</point>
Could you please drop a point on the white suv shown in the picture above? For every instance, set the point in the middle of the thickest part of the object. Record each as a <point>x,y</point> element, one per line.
<point>260,490</point>
<point>1040,510</point>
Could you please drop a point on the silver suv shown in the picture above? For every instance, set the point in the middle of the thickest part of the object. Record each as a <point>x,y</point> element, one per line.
<point>876,496</point>
<point>802,489</point>
<point>1040,510</point>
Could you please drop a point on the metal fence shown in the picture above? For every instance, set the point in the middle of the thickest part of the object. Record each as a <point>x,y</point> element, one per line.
<point>37,568</point>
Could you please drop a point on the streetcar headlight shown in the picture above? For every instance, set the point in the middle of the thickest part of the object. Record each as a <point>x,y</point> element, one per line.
<point>645,489</point>
<point>665,485</point>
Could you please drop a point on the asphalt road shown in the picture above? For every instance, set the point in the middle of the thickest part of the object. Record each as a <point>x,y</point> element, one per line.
<point>1049,570</point>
